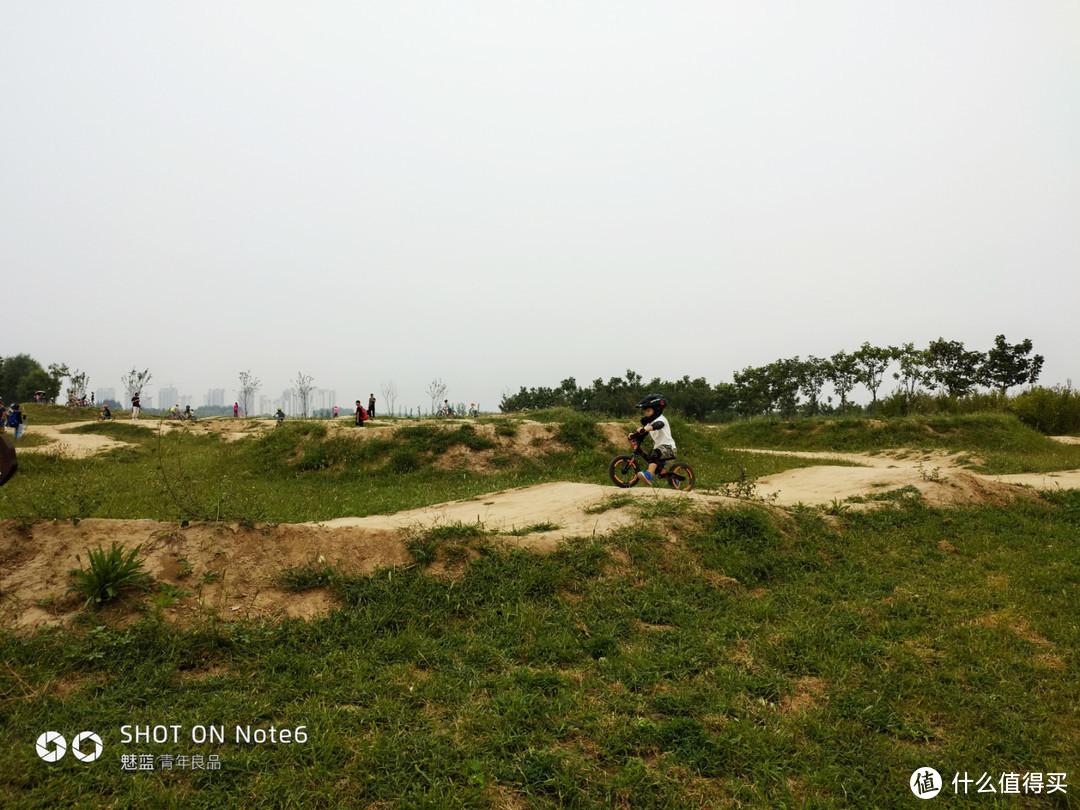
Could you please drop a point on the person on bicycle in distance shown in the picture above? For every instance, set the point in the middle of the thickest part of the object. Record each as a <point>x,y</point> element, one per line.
<point>663,443</point>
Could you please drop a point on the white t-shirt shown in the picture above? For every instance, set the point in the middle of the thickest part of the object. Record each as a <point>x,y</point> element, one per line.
<point>661,432</point>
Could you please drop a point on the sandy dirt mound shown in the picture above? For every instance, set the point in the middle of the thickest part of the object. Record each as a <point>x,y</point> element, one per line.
<point>937,476</point>
<point>230,571</point>
<point>72,445</point>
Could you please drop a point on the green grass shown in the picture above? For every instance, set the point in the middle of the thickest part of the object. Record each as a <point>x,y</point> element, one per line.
<point>304,471</point>
<point>38,414</point>
<point>764,662</point>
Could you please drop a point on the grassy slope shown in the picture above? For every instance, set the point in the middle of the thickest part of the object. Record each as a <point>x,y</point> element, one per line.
<point>616,671</point>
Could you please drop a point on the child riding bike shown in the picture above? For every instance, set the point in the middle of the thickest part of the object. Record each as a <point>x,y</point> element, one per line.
<point>663,443</point>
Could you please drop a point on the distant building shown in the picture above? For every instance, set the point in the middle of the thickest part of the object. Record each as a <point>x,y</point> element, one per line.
<point>215,397</point>
<point>168,397</point>
<point>103,394</point>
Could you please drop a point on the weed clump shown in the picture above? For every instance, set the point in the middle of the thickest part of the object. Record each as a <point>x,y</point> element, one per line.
<point>109,573</point>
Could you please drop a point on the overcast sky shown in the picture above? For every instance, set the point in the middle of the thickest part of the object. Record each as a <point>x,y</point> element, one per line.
<point>504,193</point>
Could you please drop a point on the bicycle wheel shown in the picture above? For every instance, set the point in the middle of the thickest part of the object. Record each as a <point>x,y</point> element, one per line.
<point>680,476</point>
<point>623,471</point>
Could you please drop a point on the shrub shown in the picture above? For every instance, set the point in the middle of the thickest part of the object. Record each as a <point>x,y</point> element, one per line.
<point>1049,410</point>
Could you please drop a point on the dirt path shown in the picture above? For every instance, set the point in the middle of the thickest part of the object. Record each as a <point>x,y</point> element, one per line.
<point>936,475</point>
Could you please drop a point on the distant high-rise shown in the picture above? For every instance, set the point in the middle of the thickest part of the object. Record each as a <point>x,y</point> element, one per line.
<point>168,396</point>
<point>215,397</point>
<point>103,394</point>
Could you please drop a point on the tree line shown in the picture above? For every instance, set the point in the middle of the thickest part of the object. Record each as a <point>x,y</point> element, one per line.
<point>792,386</point>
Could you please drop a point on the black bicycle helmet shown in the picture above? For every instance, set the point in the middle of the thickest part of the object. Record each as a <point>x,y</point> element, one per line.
<point>655,401</point>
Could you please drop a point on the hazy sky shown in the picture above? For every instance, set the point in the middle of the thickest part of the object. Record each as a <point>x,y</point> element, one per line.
<point>506,193</point>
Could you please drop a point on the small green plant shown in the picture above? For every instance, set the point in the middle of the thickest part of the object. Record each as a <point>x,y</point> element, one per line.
<point>422,549</point>
<point>210,577</point>
<point>534,529</point>
<point>745,488</point>
<point>837,507</point>
<point>185,567</point>
<point>109,573</point>
<point>933,475</point>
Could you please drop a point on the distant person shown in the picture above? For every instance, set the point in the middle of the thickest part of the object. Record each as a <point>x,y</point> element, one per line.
<point>473,412</point>
<point>16,420</point>
<point>335,411</point>
<point>280,416</point>
<point>135,407</point>
<point>91,400</point>
<point>446,408</point>
<point>371,406</point>
<point>3,416</point>
<point>361,414</point>
<point>187,412</point>
<point>105,412</point>
<point>236,410</point>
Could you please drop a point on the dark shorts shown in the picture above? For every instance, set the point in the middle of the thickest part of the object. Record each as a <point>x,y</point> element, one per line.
<point>662,452</point>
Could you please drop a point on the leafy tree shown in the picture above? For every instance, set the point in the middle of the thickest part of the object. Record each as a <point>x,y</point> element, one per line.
<point>872,362</point>
<point>784,383</point>
<point>952,367</point>
<point>38,380</point>
<point>57,372</point>
<point>16,368</point>
<point>811,375</point>
<point>77,384</point>
<point>1006,366</point>
<point>844,375</point>
<point>756,390</point>
<point>912,368</point>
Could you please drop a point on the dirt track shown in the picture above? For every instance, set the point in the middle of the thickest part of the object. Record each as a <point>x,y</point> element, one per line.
<point>229,571</point>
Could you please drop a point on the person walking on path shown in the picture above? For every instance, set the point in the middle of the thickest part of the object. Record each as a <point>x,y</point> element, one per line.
<point>236,410</point>
<point>135,407</point>
<point>335,411</point>
<point>361,414</point>
<point>17,420</point>
<point>371,406</point>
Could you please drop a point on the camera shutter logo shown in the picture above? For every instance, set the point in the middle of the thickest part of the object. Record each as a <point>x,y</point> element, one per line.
<point>84,740</point>
<point>51,746</point>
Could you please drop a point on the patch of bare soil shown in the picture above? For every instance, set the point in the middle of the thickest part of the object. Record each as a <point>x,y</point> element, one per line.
<point>937,476</point>
<point>72,445</point>
<point>807,693</point>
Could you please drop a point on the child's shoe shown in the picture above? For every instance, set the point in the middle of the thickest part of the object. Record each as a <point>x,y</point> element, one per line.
<point>646,476</point>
